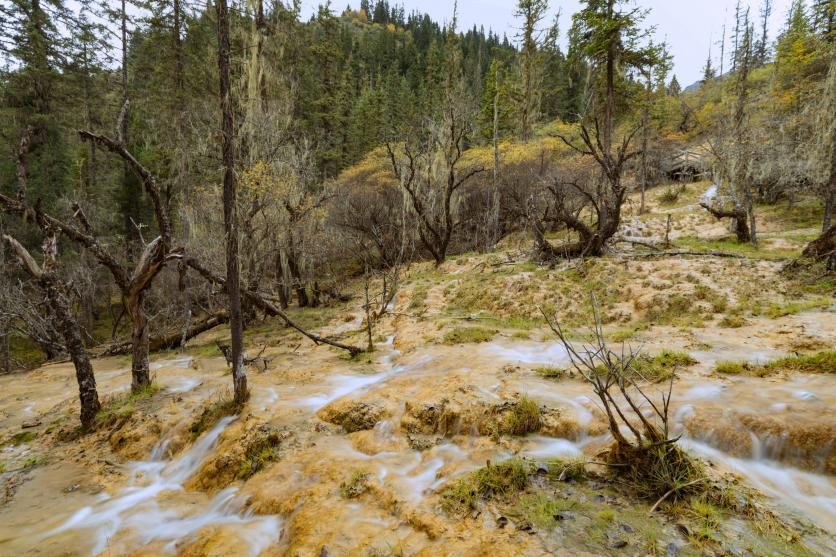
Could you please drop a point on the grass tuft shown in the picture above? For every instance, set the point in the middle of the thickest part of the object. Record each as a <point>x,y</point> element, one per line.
<point>260,452</point>
<point>524,417</point>
<point>462,335</point>
<point>550,372</point>
<point>568,470</point>
<point>224,406</point>
<point>494,480</point>
<point>118,409</point>
<point>661,366</point>
<point>820,362</point>
<point>774,311</point>
<point>20,438</point>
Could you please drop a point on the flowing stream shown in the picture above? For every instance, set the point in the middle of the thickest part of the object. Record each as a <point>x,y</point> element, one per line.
<point>154,510</point>
<point>145,512</point>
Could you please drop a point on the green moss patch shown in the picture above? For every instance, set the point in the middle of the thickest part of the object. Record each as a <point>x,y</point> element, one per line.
<point>463,335</point>
<point>117,409</point>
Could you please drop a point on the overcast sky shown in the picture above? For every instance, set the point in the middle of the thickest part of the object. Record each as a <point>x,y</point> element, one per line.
<point>688,26</point>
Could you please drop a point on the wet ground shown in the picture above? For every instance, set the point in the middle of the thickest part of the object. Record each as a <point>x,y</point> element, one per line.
<point>145,505</point>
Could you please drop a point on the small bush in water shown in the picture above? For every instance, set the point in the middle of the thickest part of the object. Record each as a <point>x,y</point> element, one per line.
<point>356,485</point>
<point>494,480</point>
<point>524,417</point>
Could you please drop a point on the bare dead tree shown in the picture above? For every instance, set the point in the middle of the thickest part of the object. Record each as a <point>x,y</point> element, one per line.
<point>54,289</point>
<point>605,198</point>
<point>737,213</point>
<point>430,191</point>
<point>643,450</point>
<point>28,317</point>
<point>133,279</point>
<point>46,277</point>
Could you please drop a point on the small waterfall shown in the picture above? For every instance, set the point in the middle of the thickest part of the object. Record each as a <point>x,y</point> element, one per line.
<point>135,513</point>
<point>813,494</point>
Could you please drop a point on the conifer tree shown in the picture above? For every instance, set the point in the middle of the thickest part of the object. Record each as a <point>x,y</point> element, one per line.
<point>531,12</point>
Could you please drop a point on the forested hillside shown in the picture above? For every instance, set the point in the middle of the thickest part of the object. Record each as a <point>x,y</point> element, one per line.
<point>262,225</point>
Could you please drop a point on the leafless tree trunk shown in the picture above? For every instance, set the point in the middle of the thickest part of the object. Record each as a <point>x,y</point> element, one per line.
<point>368,308</point>
<point>742,156</point>
<point>174,339</point>
<point>233,275</point>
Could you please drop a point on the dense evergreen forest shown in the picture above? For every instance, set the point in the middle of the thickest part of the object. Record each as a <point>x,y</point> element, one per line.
<point>357,141</point>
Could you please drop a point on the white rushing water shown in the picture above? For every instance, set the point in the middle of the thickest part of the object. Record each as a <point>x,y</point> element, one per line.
<point>137,513</point>
<point>530,353</point>
<point>813,494</point>
<point>339,386</point>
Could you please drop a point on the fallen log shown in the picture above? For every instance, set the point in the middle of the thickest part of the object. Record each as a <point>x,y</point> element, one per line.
<point>694,253</point>
<point>174,339</point>
<point>270,308</point>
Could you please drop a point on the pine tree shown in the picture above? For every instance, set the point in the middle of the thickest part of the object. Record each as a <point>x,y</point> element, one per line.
<point>495,98</point>
<point>762,47</point>
<point>824,19</point>
<point>555,86</point>
<point>674,88</point>
<point>531,12</point>
<point>708,72</point>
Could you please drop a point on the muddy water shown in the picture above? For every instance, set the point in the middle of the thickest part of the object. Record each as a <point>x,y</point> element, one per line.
<point>151,509</point>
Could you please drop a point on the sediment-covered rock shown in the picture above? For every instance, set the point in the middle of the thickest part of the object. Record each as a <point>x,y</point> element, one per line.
<point>353,415</point>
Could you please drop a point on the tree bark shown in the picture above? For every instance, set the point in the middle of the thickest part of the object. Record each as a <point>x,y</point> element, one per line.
<point>823,246</point>
<point>140,374</point>
<point>233,275</point>
<point>70,330</point>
